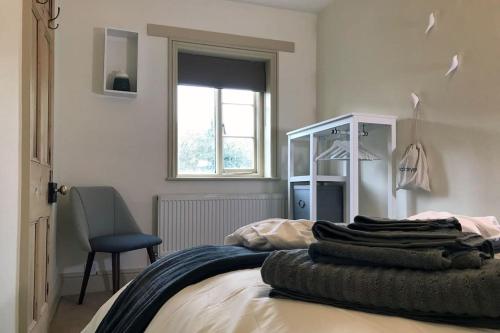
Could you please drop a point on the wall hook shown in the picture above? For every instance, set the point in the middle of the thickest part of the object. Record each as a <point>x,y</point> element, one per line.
<point>54,18</point>
<point>41,2</point>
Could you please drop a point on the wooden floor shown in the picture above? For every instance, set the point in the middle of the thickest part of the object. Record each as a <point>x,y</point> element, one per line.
<point>71,317</point>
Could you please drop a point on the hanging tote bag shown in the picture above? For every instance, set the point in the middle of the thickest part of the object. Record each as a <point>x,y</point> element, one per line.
<point>413,171</point>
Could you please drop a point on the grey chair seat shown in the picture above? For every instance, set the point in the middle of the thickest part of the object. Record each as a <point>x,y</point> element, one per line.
<point>123,243</point>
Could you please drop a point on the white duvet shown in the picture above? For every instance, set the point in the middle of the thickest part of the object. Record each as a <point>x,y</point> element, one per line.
<point>238,302</point>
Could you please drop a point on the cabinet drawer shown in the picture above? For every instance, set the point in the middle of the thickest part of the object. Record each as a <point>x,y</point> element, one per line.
<point>301,202</point>
<point>329,201</point>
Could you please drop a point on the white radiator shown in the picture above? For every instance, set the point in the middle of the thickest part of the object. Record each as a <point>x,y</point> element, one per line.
<point>189,220</point>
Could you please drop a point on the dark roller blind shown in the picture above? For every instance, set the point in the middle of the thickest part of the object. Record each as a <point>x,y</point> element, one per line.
<point>218,72</point>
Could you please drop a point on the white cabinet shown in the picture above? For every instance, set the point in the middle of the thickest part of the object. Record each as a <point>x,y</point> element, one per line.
<point>356,151</point>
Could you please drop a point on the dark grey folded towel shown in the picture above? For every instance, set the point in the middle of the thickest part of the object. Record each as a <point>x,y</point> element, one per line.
<point>376,223</point>
<point>429,250</point>
<point>327,231</point>
<point>455,296</point>
<point>427,259</point>
<point>452,238</point>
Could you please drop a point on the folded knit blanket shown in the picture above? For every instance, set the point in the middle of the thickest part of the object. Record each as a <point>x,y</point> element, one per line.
<point>465,297</point>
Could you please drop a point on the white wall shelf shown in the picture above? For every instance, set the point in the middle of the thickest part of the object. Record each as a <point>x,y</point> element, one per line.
<point>331,179</point>
<point>319,178</point>
<point>121,48</point>
<point>299,179</point>
<point>373,181</point>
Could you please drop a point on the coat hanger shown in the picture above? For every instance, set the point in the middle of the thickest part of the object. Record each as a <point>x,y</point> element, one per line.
<point>340,149</point>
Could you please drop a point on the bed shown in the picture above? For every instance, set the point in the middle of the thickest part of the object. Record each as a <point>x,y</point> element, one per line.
<point>238,301</point>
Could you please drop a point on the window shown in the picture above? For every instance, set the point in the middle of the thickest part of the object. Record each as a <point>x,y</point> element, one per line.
<point>222,114</point>
<point>218,131</point>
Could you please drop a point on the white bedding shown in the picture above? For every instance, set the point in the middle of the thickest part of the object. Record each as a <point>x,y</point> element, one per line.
<point>238,302</point>
<point>486,226</point>
<point>273,234</point>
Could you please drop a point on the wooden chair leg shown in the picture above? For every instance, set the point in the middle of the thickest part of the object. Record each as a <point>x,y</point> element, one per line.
<point>116,271</point>
<point>86,275</point>
<point>151,254</point>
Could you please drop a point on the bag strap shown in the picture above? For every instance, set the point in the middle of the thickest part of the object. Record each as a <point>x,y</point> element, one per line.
<point>416,124</point>
<point>408,149</point>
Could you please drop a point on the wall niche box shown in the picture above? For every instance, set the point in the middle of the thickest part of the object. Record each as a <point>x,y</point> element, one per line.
<point>120,56</point>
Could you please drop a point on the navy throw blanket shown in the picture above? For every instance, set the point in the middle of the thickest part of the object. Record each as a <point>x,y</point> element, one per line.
<point>136,306</point>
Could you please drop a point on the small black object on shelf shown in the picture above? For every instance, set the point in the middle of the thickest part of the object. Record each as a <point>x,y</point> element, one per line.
<point>121,82</point>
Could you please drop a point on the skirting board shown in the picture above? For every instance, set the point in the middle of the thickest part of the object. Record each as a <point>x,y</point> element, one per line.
<point>101,281</point>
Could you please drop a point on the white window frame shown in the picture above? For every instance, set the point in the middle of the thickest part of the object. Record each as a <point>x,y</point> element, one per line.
<point>258,138</point>
<point>266,137</point>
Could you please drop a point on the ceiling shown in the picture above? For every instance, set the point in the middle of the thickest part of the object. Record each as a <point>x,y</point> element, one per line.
<point>302,5</point>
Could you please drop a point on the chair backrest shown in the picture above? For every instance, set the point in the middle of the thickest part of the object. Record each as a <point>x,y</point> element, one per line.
<point>99,211</point>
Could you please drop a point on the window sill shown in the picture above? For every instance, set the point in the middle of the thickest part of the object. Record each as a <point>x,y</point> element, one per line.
<point>201,178</point>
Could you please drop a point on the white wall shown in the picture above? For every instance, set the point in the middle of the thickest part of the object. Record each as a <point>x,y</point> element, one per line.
<point>373,53</point>
<point>122,142</point>
<point>10,110</point>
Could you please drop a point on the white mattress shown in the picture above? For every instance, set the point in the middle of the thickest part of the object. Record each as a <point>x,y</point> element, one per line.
<point>238,302</point>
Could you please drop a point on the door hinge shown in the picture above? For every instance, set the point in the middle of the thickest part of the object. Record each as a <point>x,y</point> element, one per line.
<point>47,290</point>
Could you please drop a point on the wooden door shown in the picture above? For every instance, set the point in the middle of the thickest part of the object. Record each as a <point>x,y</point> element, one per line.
<point>40,239</point>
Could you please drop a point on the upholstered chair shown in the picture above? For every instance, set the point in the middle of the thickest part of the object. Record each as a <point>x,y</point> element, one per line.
<point>105,224</point>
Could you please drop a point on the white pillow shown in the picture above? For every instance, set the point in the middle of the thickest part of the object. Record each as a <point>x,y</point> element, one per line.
<point>486,226</point>
<point>273,234</point>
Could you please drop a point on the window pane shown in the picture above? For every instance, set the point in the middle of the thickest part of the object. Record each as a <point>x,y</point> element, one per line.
<point>196,130</point>
<point>239,153</point>
<point>235,96</point>
<point>238,120</point>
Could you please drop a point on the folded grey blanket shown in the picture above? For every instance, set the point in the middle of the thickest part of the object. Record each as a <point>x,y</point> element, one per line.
<point>467,297</point>
<point>427,259</point>
<point>434,249</point>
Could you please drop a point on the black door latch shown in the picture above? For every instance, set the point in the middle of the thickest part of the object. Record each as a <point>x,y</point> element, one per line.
<point>53,191</point>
